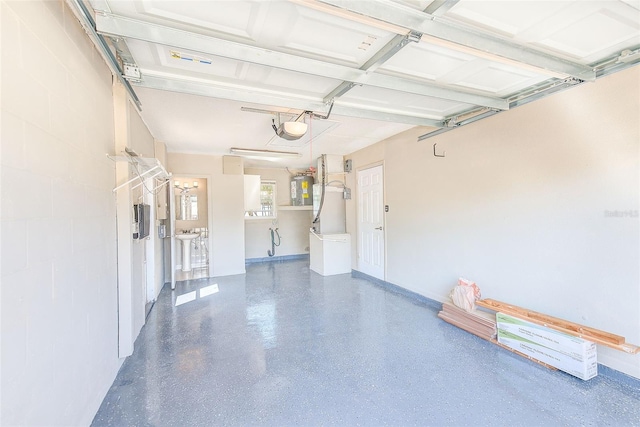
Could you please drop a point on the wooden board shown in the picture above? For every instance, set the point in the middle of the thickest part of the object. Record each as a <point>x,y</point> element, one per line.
<point>553,368</point>
<point>482,317</point>
<point>590,334</point>
<point>480,332</point>
<point>490,329</point>
<point>524,313</point>
<point>484,332</point>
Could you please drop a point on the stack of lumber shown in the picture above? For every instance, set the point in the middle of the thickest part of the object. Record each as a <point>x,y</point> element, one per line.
<point>590,334</point>
<point>484,325</point>
<point>478,322</point>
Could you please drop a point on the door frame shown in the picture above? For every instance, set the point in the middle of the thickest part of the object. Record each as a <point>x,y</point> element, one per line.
<point>384,218</point>
<point>172,218</point>
<point>172,233</point>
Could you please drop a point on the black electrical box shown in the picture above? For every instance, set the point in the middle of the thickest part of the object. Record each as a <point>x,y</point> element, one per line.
<point>141,214</point>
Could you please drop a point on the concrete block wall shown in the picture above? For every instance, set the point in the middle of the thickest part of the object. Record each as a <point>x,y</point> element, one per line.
<point>58,254</point>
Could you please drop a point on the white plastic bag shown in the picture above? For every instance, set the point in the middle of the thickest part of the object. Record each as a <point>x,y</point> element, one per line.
<point>465,294</point>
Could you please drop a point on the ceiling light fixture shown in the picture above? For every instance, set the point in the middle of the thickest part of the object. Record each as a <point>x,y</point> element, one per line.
<point>250,152</point>
<point>185,186</point>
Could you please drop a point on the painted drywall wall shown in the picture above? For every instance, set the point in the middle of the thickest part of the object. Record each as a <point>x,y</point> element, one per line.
<point>58,264</point>
<point>539,205</point>
<point>160,151</point>
<point>203,203</point>
<point>293,225</point>
<point>141,141</point>
<point>226,210</point>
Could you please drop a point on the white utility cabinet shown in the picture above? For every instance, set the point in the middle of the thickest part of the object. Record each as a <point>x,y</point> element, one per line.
<point>330,254</point>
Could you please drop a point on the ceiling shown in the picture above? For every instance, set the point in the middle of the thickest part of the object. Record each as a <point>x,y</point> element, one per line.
<point>211,75</point>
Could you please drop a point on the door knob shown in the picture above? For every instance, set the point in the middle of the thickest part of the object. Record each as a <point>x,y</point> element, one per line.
<point>378,228</point>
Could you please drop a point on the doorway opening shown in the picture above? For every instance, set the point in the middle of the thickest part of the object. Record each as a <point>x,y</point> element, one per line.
<point>190,220</point>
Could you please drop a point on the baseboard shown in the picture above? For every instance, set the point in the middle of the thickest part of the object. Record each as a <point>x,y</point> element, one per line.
<point>416,297</point>
<point>605,371</point>
<point>276,258</point>
<point>619,377</point>
<point>193,266</point>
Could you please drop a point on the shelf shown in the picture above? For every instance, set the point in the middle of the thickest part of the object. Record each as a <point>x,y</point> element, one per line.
<point>295,208</point>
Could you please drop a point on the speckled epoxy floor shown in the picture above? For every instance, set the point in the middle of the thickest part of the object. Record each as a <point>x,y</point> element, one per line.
<point>283,346</point>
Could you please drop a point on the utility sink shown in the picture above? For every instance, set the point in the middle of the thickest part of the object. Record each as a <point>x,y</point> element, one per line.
<point>187,236</point>
<point>186,239</point>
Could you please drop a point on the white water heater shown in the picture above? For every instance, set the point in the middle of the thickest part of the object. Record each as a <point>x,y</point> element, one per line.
<point>302,190</point>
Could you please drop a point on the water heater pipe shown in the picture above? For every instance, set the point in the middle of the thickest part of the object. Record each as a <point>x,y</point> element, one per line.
<point>324,174</point>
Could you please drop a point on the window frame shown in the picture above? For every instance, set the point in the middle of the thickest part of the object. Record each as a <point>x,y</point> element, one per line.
<point>264,213</point>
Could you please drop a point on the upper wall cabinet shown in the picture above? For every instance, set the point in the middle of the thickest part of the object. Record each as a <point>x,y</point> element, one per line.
<point>252,193</point>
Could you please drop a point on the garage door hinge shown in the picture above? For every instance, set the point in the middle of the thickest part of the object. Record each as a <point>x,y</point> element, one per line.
<point>131,72</point>
<point>414,36</point>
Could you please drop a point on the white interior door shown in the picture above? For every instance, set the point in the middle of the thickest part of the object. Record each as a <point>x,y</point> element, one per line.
<point>371,222</point>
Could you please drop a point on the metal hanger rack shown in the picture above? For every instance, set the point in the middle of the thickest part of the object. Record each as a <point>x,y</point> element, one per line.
<point>145,167</point>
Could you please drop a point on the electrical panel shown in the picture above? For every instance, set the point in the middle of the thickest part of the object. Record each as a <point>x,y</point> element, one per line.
<point>141,214</point>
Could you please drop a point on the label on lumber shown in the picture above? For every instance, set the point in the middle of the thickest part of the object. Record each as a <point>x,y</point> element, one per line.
<point>572,355</point>
<point>571,346</point>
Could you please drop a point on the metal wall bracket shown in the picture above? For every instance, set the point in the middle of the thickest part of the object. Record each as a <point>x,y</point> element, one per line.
<point>414,36</point>
<point>131,72</point>
<point>451,122</point>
